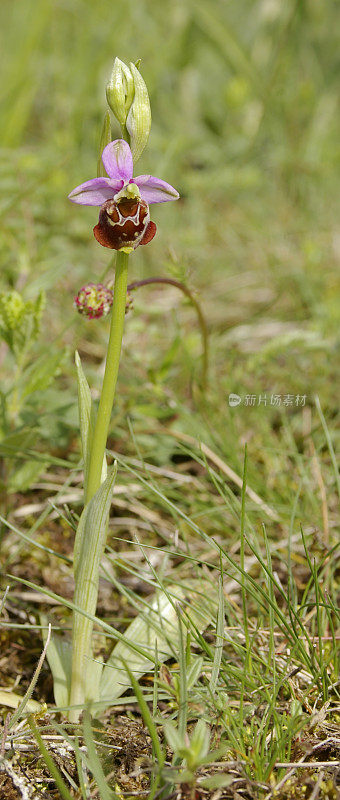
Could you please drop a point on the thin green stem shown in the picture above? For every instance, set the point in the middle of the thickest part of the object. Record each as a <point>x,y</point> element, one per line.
<point>110,378</point>
<point>87,577</point>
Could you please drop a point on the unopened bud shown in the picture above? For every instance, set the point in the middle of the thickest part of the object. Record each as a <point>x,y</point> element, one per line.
<point>138,121</point>
<point>120,91</point>
<point>94,300</point>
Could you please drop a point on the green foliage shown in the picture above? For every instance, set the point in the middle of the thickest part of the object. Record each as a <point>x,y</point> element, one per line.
<point>156,624</point>
<point>104,792</point>
<point>193,750</point>
<point>59,659</point>
<point>244,104</point>
<point>40,374</point>
<point>54,771</point>
<point>32,370</point>
<point>20,321</point>
<point>88,550</point>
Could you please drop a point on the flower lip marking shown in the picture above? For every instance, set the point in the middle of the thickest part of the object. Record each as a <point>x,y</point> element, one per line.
<point>125,224</point>
<point>120,184</point>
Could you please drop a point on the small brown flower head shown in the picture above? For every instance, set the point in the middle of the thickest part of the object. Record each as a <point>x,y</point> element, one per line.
<point>94,300</point>
<point>125,224</point>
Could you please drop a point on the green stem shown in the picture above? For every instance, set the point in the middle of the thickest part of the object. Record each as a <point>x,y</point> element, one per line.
<point>87,574</point>
<point>110,378</point>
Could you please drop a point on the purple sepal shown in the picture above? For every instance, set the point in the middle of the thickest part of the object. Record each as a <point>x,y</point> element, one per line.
<point>154,190</point>
<point>117,160</point>
<point>96,191</point>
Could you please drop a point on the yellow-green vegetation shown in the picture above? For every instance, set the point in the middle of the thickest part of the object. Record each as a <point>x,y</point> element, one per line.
<point>226,498</point>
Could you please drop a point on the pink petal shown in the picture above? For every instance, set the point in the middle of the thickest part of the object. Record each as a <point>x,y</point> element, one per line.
<point>154,190</point>
<point>95,192</point>
<point>117,160</point>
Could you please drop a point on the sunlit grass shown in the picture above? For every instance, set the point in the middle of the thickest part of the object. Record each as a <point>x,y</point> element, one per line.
<point>244,123</point>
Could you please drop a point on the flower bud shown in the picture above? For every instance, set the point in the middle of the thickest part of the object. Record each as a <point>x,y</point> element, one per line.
<point>120,91</point>
<point>138,121</point>
<point>94,300</point>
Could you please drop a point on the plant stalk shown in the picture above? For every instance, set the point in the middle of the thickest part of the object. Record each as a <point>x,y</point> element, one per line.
<point>110,377</point>
<point>87,575</point>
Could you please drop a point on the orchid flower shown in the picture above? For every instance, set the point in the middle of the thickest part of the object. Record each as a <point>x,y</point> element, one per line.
<point>124,223</point>
<point>124,218</point>
<point>117,160</point>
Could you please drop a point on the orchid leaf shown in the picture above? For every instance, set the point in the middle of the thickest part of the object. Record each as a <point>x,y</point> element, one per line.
<point>86,419</point>
<point>59,658</point>
<point>88,550</point>
<point>91,531</point>
<point>12,700</point>
<point>158,623</point>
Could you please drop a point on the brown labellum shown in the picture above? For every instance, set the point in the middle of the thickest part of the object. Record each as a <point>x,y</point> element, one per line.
<point>124,224</point>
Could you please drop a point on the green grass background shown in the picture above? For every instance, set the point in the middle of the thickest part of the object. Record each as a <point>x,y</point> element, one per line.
<point>244,105</point>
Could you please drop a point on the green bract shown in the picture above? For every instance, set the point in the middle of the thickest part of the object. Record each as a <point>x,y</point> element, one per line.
<point>120,91</point>
<point>139,118</point>
<point>128,98</point>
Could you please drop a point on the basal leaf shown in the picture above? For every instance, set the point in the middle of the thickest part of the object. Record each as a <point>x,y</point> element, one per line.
<point>59,658</point>
<point>88,550</point>
<point>86,419</point>
<point>158,623</point>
